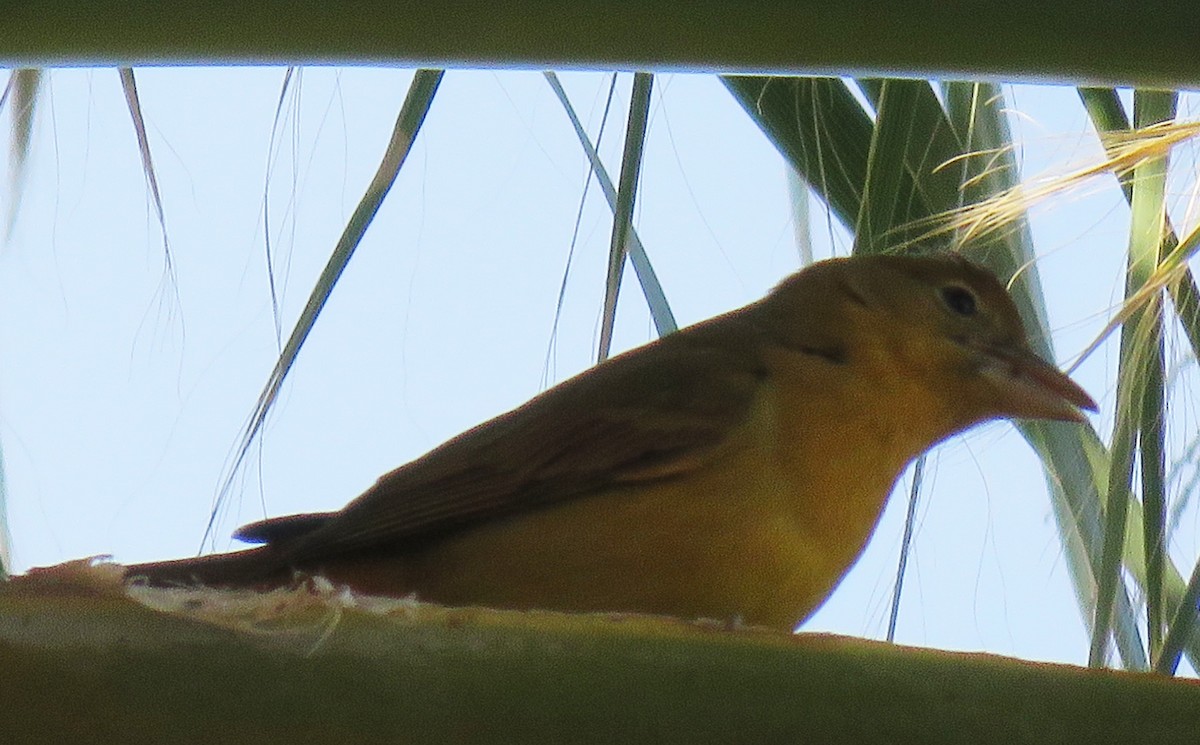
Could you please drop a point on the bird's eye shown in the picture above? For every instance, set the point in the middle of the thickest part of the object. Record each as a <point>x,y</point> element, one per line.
<point>959,300</point>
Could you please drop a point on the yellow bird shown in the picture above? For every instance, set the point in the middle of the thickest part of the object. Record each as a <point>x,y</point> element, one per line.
<point>734,469</point>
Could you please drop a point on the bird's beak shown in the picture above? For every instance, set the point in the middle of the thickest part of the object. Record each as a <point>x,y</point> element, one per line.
<point>1031,388</point>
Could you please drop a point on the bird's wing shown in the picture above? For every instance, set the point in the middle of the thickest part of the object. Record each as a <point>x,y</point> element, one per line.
<point>653,413</point>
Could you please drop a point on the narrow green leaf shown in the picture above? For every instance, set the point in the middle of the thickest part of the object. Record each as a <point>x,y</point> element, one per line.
<point>285,86</point>
<point>818,127</point>
<point>798,190</point>
<point>1134,379</point>
<point>1152,457</point>
<point>656,299</point>
<point>1182,626</point>
<point>888,191</point>
<point>631,169</point>
<point>1108,116</point>
<point>1152,107</point>
<point>910,524</point>
<point>1106,112</point>
<point>133,101</point>
<point>22,88</point>
<point>932,155</point>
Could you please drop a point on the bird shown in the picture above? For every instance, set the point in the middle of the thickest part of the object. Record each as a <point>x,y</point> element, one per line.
<point>732,470</point>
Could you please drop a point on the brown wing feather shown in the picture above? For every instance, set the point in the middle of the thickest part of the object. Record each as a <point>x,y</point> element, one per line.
<point>652,413</point>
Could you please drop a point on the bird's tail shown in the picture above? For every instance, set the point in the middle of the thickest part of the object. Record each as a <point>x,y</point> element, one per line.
<point>256,568</point>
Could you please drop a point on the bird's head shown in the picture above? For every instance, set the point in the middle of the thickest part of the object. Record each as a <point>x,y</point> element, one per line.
<point>940,327</point>
<point>952,322</point>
